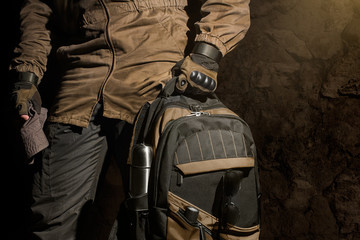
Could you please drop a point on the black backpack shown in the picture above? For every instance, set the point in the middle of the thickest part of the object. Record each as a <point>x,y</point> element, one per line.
<point>194,171</point>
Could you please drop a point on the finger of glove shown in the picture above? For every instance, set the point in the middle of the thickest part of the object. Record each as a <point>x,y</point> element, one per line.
<point>22,106</point>
<point>22,97</point>
<point>20,103</point>
<point>195,91</point>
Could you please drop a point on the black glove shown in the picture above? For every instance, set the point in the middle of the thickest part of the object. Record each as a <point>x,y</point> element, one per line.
<point>24,91</point>
<point>198,72</point>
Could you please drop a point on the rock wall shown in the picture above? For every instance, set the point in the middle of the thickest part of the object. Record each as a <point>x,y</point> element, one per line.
<point>295,79</point>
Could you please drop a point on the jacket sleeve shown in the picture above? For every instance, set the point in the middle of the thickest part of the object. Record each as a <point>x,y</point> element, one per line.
<point>224,23</point>
<point>34,46</point>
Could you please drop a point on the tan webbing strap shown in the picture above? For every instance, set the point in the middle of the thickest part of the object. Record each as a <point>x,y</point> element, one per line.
<point>215,165</point>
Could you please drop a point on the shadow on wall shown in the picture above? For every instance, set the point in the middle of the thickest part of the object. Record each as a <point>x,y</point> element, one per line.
<point>295,79</point>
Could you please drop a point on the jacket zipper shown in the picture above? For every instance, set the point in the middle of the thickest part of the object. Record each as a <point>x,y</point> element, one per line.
<point>111,48</point>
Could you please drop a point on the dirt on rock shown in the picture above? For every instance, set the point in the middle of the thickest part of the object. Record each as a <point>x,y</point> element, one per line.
<point>295,79</point>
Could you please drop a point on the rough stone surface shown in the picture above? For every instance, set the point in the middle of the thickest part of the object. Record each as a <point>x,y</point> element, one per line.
<point>295,79</point>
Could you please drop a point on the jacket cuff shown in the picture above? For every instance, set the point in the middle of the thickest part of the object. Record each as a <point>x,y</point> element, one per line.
<point>27,68</point>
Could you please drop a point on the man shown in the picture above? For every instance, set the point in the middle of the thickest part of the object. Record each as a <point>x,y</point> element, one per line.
<point>112,57</point>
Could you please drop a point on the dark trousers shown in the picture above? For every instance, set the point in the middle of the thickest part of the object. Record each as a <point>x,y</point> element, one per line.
<point>78,189</point>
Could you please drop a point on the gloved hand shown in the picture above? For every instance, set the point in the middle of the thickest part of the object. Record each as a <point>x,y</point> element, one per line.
<point>198,72</point>
<point>24,91</point>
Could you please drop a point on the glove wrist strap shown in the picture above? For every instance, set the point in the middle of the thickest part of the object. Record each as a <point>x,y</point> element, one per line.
<point>26,77</point>
<point>207,50</point>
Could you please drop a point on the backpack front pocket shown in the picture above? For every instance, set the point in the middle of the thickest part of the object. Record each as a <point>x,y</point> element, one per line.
<point>204,226</point>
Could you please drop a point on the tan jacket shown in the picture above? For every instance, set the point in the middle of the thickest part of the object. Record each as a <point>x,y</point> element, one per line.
<point>119,51</point>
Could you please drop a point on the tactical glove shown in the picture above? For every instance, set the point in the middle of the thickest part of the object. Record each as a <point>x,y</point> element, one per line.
<point>198,72</point>
<point>24,91</point>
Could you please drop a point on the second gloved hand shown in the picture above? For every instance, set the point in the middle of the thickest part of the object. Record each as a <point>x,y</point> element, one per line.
<point>25,92</point>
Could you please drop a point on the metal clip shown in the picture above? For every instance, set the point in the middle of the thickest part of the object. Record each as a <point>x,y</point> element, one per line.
<point>198,114</point>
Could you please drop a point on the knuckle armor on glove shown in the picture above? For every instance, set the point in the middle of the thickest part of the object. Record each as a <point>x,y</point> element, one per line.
<point>196,76</point>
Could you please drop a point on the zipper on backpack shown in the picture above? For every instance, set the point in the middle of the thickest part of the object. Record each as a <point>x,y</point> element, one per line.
<point>198,114</point>
<point>195,108</point>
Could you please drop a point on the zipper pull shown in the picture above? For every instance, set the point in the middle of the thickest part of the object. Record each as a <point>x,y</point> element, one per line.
<point>196,111</point>
<point>198,114</point>
<point>179,179</point>
<point>191,214</point>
